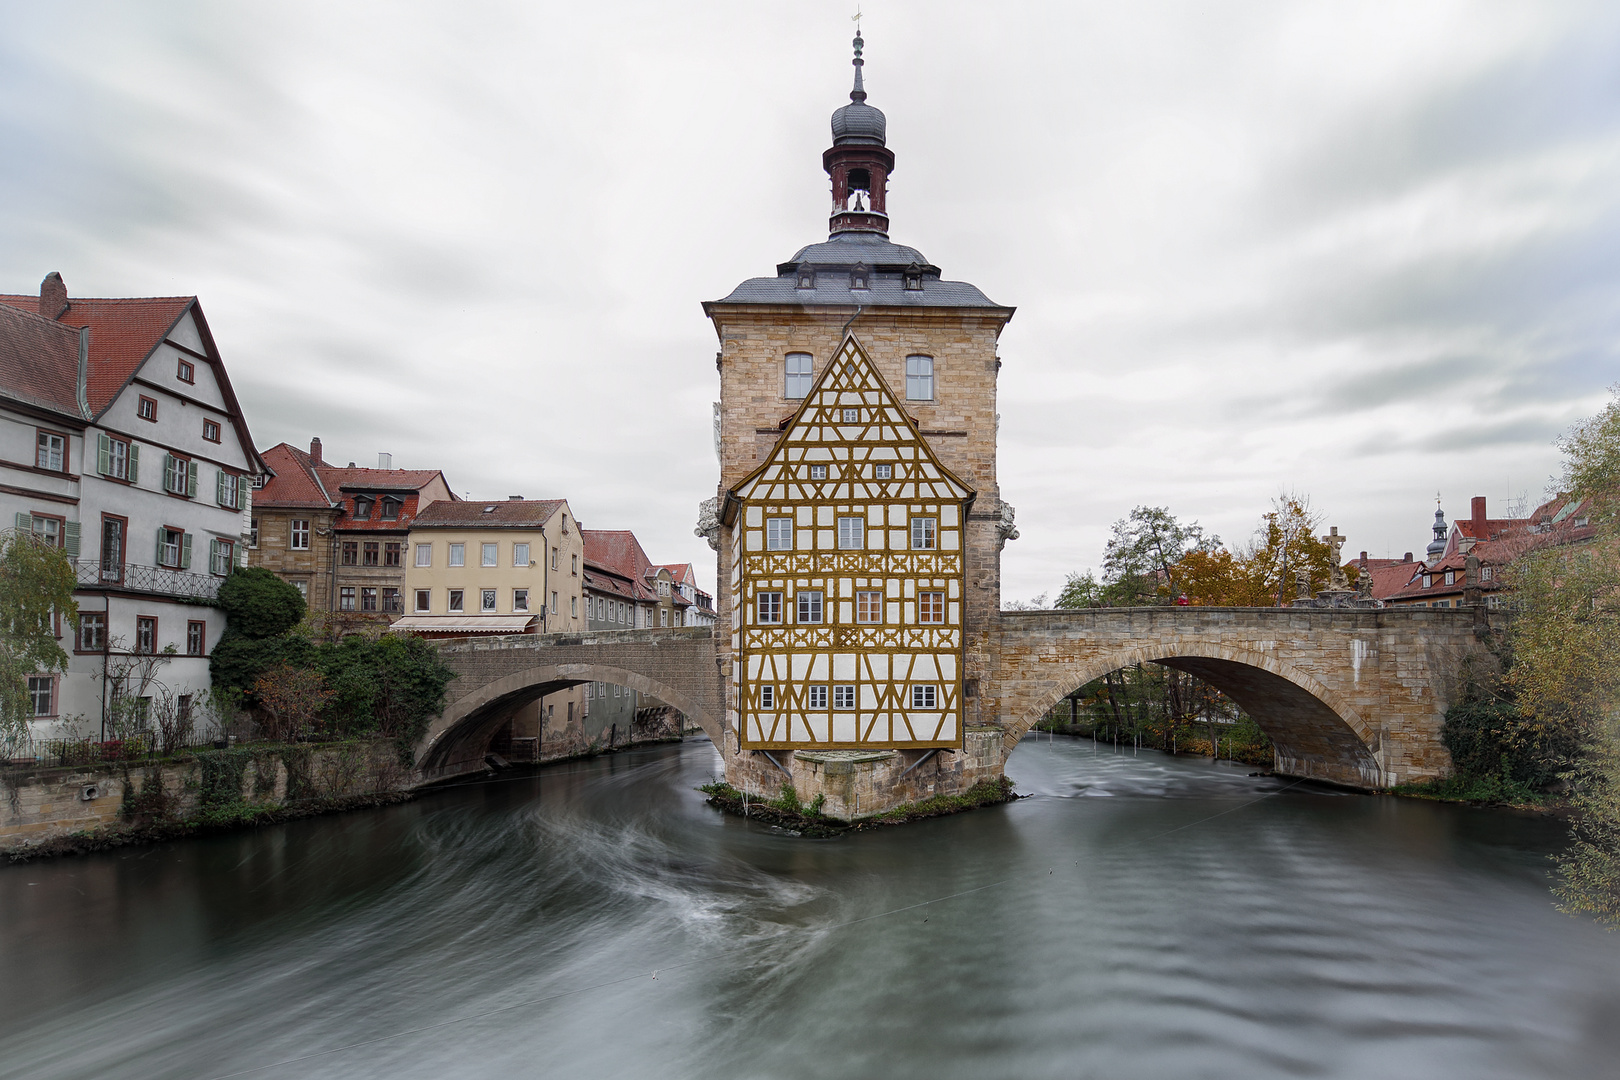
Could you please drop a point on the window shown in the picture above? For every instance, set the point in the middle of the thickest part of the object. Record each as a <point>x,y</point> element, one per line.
<point>171,550</point>
<point>92,631</point>
<point>1485,573</point>
<point>298,535</point>
<point>621,611</point>
<point>818,472</point>
<point>920,378</point>
<point>809,605</point>
<point>852,416</point>
<point>1451,577</point>
<point>869,607</point>
<point>520,599</point>
<point>424,599</point>
<point>391,553</point>
<point>390,509</point>
<point>520,554</point>
<point>796,383</point>
<point>147,409</point>
<point>882,472</point>
<point>362,509</point>
<point>117,458</point>
<point>924,697</point>
<point>50,451</point>
<point>573,561</point>
<point>456,600</point>
<point>146,633</point>
<point>258,481</point>
<point>368,598</point>
<point>351,553</point>
<point>843,697</point>
<point>851,533</point>
<point>48,530</point>
<point>490,554</point>
<point>112,548</point>
<point>196,636</point>
<point>302,586</point>
<point>767,697</point>
<point>931,607</point>
<point>41,695</point>
<point>391,601</point>
<point>182,706</point>
<point>185,372</point>
<point>220,556</point>
<point>179,476</point>
<point>211,430</point>
<point>554,558</point>
<point>346,598</point>
<point>227,489</point>
<point>1427,581</point>
<point>253,534</point>
<point>553,608</point>
<point>424,554</point>
<point>663,588</point>
<point>371,553</point>
<point>573,606</point>
<point>923,534</point>
<point>778,534</point>
<point>768,606</point>
<point>458,554</point>
<point>486,600</point>
<point>816,698</point>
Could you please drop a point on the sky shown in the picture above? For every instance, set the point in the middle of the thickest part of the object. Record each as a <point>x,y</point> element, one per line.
<point>1368,253</point>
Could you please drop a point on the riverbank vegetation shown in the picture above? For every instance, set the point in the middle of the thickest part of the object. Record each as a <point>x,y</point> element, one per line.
<point>36,600</point>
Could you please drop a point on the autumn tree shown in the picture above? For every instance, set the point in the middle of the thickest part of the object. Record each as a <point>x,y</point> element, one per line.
<point>292,699</point>
<point>1141,564</point>
<point>36,588</point>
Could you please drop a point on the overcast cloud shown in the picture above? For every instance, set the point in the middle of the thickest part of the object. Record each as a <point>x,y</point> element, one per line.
<point>1365,251</point>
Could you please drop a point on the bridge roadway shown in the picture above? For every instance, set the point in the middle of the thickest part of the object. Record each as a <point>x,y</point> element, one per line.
<point>1352,696</point>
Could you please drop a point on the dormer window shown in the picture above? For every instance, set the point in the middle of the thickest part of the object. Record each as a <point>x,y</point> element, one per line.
<point>1427,580</point>
<point>390,509</point>
<point>807,276</point>
<point>362,508</point>
<point>913,276</point>
<point>860,277</point>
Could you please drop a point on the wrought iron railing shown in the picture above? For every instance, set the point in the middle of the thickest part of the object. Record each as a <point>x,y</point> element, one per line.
<point>153,579</point>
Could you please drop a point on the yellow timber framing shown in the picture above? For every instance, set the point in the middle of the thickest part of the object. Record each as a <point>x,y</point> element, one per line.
<point>827,468</point>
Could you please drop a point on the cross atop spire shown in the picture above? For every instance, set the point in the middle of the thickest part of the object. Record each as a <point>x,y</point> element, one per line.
<point>859,93</point>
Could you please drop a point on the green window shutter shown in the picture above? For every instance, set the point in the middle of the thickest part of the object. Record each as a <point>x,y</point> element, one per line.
<point>157,560</point>
<point>25,522</point>
<point>185,551</point>
<point>241,492</point>
<point>219,487</point>
<point>103,453</point>
<point>168,471</point>
<point>191,479</point>
<point>134,463</point>
<point>70,539</point>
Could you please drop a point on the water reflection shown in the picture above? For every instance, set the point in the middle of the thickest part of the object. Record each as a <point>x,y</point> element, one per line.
<point>1138,916</point>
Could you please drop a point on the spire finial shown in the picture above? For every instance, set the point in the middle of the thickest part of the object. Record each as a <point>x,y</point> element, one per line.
<point>859,93</point>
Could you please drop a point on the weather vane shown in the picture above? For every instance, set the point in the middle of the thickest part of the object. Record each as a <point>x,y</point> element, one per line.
<point>857,19</point>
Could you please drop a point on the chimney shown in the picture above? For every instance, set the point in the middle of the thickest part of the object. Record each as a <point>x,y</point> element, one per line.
<point>514,498</point>
<point>1479,517</point>
<point>1407,557</point>
<point>53,300</point>
<point>385,461</point>
<point>315,451</point>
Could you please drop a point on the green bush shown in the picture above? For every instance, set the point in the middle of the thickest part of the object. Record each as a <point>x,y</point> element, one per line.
<point>1491,740</point>
<point>238,661</point>
<point>257,604</point>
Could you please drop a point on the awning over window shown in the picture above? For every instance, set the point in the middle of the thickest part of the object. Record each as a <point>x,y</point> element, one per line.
<point>464,624</point>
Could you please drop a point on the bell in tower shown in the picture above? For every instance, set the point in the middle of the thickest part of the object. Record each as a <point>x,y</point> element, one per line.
<point>859,163</point>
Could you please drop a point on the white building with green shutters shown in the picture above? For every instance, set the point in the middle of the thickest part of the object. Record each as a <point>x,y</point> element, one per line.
<point>122,442</point>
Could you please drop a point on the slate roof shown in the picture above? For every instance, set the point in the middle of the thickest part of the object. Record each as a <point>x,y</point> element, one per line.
<point>39,362</point>
<point>833,259</point>
<point>295,483</point>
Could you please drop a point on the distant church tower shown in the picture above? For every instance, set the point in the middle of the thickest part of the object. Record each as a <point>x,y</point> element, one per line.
<point>858,527</point>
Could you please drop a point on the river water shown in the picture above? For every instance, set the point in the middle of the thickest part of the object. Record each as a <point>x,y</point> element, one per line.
<point>1138,916</point>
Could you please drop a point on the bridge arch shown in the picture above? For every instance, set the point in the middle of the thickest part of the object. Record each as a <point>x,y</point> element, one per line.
<point>457,737</point>
<point>1316,732</point>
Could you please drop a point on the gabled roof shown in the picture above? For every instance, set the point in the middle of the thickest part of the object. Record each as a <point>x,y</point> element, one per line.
<point>345,479</point>
<point>618,554</point>
<point>501,513</point>
<point>883,434</point>
<point>39,362</point>
<point>294,483</point>
<point>1389,576</point>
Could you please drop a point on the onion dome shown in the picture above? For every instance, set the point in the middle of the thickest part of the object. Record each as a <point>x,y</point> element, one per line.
<point>859,122</point>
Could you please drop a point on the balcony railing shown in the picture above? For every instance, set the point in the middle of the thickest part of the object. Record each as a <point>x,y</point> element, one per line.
<point>152,579</point>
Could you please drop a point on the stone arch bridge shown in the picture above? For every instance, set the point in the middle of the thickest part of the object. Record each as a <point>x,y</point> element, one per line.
<point>1354,697</point>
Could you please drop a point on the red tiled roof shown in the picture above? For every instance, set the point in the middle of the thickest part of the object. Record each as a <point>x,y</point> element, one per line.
<point>345,479</point>
<point>472,513</point>
<point>619,553</point>
<point>123,333</point>
<point>1389,576</point>
<point>295,483</point>
<point>39,361</point>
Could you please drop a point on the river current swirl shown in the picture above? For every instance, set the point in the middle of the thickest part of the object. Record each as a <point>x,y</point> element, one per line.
<point>1136,916</point>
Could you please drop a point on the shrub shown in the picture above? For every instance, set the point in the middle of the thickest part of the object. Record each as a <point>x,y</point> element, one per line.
<point>257,604</point>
